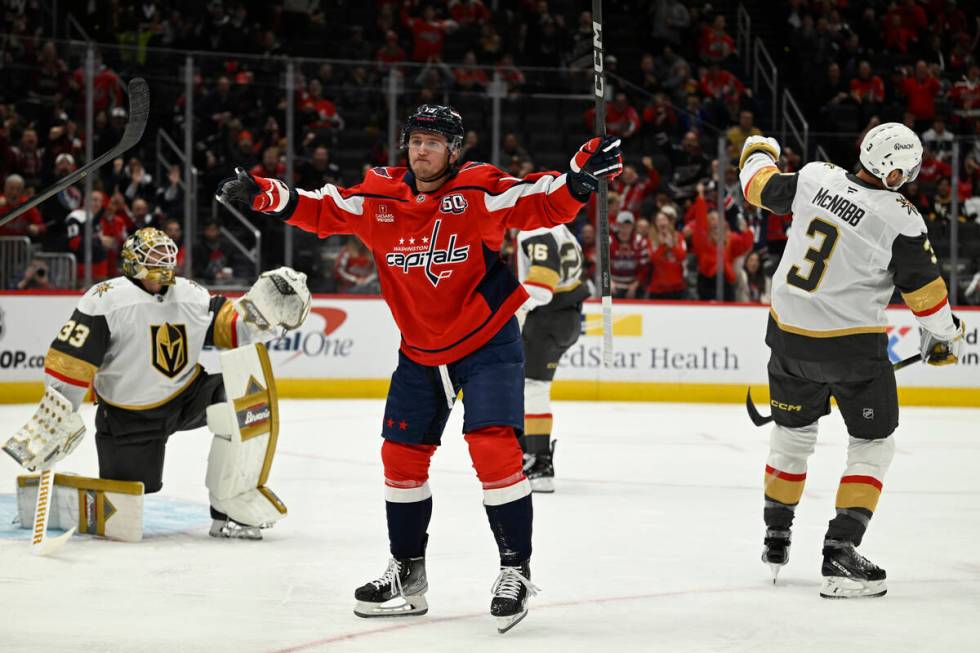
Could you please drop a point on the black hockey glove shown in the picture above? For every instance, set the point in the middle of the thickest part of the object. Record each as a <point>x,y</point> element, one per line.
<point>255,193</point>
<point>600,158</point>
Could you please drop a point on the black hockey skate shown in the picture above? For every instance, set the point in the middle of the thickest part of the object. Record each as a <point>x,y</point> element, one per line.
<point>848,574</point>
<point>540,470</point>
<point>403,585</point>
<point>510,593</point>
<point>775,550</point>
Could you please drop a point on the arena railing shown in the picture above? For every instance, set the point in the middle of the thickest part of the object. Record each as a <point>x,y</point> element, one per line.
<point>15,254</point>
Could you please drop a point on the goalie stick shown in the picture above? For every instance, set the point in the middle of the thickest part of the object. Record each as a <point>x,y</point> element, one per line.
<point>760,420</point>
<point>40,543</point>
<point>602,204</point>
<point>139,111</point>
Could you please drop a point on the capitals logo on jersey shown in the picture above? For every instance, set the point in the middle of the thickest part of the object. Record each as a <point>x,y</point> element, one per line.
<point>427,255</point>
<point>168,344</point>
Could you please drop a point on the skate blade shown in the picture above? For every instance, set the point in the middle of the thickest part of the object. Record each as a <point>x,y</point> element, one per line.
<point>506,623</point>
<point>408,606</point>
<point>221,531</point>
<point>836,587</point>
<point>543,485</point>
<point>774,570</point>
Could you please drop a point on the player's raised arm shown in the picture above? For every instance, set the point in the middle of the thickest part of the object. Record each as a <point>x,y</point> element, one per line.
<point>762,183</point>
<point>916,274</point>
<point>325,211</point>
<point>548,199</point>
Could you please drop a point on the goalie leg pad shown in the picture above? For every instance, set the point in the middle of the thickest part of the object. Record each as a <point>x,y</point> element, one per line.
<point>246,428</point>
<point>107,508</point>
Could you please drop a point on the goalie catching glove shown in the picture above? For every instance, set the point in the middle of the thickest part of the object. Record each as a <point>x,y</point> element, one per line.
<point>936,351</point>
<point>600,158</point>
<point>279,298</point>
<point>53,432</point>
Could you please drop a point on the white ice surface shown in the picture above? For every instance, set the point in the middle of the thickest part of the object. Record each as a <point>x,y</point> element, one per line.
<point>651,543</point>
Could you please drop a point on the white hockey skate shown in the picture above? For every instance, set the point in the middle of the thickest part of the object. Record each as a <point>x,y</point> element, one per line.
<point>400,592</point>
<point>231,529</point>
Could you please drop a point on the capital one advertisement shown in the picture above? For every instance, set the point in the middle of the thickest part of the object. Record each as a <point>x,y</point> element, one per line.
<point>353,339</point>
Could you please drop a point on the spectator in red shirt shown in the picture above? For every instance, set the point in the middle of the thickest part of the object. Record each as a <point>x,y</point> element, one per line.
<point>355,272</point>
<point>720,84</point>
<point>667,254</point>
<point>428,33</point>
<point>629,259</point>
<point>921,91</point>
<point>270,166</point>
<point>320,112</point>
<point>715,45</point>
<point>965,94</point>
<point>468,77</point>
<point>867,88</point>
<point>897,36</point>
<point>30,224</point>
<point>112,227</point>
<point>703,230</point>
<point>29,159</point>
<point>391,52</point>
<point>635,189</point>
<point>469,13</point>
<point>621,118</point>
<point>108,89</point>
<point>587,239</point>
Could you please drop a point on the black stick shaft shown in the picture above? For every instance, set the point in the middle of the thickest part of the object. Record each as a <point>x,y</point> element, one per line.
<point>602,201</point>
<point>139,107</point>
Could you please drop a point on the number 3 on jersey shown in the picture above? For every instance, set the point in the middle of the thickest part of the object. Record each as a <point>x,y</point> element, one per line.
<point>817,257</point>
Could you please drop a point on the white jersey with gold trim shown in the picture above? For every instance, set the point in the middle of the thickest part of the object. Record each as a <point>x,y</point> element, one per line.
<point>138,349</point>
<point>850,246</point>
<point>550,264</point>
<point>835,272</point>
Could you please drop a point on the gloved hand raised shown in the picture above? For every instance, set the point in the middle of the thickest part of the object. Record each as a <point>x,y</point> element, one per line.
<point>600,158</point>
<point>255,193</point>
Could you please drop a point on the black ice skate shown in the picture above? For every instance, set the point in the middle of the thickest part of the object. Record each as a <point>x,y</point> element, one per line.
<point>403,586</point>
<point>848,574</point>
<point>775,550</point>
<point>227,527</point>
<point>540,470</point>
<point>510,593</point>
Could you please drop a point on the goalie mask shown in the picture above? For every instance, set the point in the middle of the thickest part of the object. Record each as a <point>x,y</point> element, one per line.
<point>151,255</point>
<point>892,146</point>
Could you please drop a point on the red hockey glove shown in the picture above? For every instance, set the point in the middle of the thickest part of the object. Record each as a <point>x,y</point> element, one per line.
<point>600,158</point>
<point>256,193</point>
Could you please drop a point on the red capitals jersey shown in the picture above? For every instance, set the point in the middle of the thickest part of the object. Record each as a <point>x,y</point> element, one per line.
<point>437,253</point>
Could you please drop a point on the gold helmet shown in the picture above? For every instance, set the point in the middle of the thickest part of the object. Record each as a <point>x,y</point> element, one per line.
<point>150,254</point>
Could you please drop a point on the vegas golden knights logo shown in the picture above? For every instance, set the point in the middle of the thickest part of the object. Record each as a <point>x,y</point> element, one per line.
<point>169,348</point>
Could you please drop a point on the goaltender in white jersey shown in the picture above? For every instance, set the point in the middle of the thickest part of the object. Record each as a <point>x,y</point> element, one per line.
<point>136,340</point>
<point>853,241</point>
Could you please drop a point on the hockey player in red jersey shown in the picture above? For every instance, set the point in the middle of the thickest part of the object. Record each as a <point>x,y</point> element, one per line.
<point>435,231</point>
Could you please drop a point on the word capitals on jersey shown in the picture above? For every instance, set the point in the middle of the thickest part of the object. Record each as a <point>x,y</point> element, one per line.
<point>425,256</point>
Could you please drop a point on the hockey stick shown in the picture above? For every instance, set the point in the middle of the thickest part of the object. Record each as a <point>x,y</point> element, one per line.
<point>760,420</point>
<point>602,195</point>
<point>40,543</point>
<point>139,111</point>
